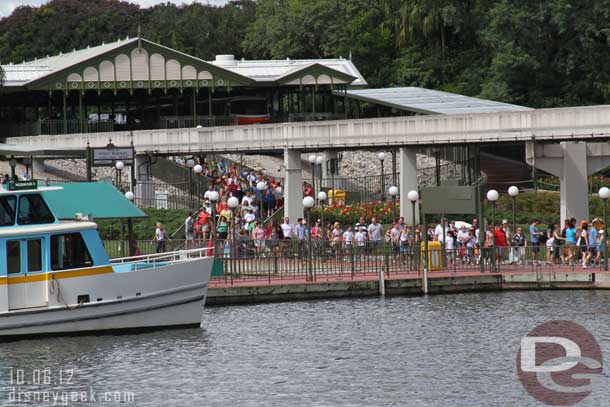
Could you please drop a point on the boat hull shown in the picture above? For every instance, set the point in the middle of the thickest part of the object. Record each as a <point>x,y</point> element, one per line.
<point>164,296</point>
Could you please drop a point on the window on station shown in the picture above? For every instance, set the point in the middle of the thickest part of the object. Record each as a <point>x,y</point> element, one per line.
<point>34,255</point>
<point>13,256</point>
<point>33,210</point>
<point>7,210</point>
<point>69,251</point>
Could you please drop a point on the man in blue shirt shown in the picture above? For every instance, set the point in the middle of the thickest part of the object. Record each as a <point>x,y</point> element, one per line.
<point>302,233</point>
<point>535,239</point>
<point>593,241</point>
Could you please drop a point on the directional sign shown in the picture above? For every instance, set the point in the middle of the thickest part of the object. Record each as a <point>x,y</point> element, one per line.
<point>105,156</point>
<point>449,200</point>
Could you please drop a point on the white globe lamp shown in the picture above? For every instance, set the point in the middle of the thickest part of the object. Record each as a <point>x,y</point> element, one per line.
<point>413,196</point>
<point>233,202</point>
<point>492,195</point>
<point>308,202</point>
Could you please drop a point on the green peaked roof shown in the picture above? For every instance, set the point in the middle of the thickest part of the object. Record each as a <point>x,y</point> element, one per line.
<point>100,199</point>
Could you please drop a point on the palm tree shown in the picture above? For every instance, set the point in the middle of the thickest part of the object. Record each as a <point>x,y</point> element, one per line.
<point>415,19</point>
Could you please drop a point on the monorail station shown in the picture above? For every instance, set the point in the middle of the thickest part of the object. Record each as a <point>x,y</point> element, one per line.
<point>135,84</point>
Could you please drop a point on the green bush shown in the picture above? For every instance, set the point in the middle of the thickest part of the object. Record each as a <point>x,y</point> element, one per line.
<point>144,228</point>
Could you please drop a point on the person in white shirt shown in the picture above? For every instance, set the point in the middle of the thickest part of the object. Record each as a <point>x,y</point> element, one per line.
<point>438,230</point>
<point>348,239</point>
<point>287,229</point>
<point>450,248</point>
<point>462,236</point>
<point>360,238</point>
<point>247,198</point>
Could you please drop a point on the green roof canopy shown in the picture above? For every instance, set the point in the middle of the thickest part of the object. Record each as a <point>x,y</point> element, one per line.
<point>100,199</point>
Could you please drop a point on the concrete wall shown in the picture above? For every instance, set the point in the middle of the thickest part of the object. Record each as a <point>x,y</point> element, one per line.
<point>545,124</point>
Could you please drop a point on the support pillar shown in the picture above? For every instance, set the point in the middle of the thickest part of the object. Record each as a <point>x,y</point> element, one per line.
<point>194,107</point>
<point>293,185</point>
<point>572,163</point>
<point>408,182</point>
<point>38,165</point>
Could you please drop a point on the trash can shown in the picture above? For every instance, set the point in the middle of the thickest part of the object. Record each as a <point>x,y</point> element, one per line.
<point>218,269</point>
<point>336,197</point>
<point>435,256</point>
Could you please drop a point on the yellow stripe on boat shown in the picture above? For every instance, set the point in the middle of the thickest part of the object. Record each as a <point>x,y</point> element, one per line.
<point>32,278</point>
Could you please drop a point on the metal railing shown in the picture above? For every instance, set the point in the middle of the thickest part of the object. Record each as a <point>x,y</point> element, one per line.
<point>182,122</point>
<point>372,188</point>
<point>55,127</point>
<point>52,127</point>
<point>177,256</point>
<point>246,259</point>
<point>326,259</point>
<point>312,117</point>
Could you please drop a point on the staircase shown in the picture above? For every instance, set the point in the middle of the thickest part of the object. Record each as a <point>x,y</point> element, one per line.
<point>502,172</point>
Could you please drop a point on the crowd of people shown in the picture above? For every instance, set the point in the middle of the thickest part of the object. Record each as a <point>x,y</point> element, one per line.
<point>575,243</point>
<point>582,243</point>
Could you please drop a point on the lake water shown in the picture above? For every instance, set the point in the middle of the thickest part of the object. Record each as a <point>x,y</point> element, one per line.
<point>452,350</point>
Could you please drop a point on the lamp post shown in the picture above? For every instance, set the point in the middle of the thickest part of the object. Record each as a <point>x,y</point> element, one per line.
<point>312,160</point>
<point>233,203</point>
<point>132,241</point>
<point>319,162</point>
<point>261,186</point>
<point>413,197</point>
<point>213,195</point>
<point>198,169</point>
<point>381,157</point>
<point>119,165</point>
<point>308,203</point>
<point>393,191</point>
<point>492,197</point>
<point>513,192</point>
<point>190,163</point>
<point>322,196</point>
<point>604,194</point>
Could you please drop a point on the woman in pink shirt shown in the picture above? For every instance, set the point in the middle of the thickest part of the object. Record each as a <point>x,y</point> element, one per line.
<point>259,238</point>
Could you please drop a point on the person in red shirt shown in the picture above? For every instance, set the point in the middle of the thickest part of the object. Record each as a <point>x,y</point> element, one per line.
<point>203,221</point>
<point>308,190</point>
<point>501,243</point>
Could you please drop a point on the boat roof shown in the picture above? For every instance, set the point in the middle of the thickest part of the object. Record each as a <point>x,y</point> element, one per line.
<point>64,226</point>
<point>4,191</point>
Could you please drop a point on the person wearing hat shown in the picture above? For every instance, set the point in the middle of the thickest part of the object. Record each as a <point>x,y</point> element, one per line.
<point>594,239</point>
<point>601,245</point>
<point>505,228</point>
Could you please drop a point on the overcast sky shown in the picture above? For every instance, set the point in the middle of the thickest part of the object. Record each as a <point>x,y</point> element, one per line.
<point>7,6</point>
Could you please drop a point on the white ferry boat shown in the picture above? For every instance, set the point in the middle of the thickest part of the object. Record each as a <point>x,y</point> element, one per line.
<point>56,277</point>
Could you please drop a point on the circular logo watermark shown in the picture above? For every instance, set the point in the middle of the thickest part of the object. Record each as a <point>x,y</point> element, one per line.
<point>559,363</point>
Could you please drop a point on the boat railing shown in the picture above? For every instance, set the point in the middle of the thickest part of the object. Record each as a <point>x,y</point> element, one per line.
<point>164,258</point>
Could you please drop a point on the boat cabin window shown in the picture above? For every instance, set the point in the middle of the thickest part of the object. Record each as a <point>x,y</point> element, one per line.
<point>33,210</point>
<point>69,251</point>
<point>34,255</point>
<point>13,256</point>
<point>7,210</point>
